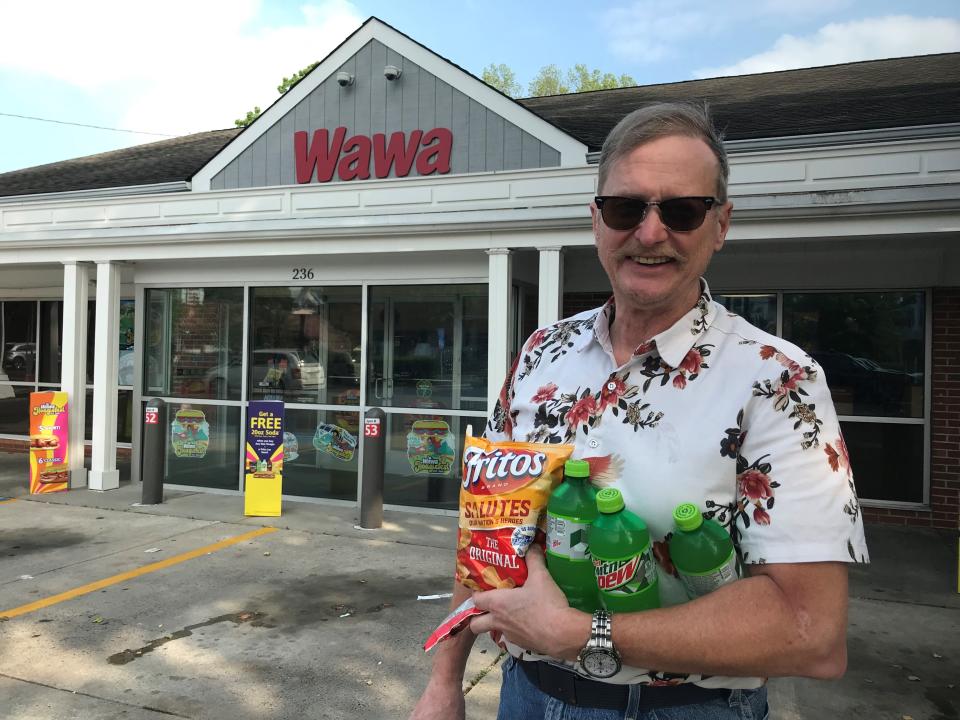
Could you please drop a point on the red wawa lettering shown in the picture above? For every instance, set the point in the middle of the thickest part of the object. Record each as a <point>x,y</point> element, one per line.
<point>429,151</point>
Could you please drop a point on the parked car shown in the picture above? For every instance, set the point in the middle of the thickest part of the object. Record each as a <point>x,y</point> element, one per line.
<point>273,371</point>
<point>20,356</point>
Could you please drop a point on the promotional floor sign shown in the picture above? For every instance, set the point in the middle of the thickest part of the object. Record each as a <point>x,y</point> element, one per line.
<point>264,458</point>
<point>49,471</point>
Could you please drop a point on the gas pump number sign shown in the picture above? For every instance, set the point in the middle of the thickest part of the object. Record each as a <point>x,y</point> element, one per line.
<point>151,416</point>
<point>371,427</point>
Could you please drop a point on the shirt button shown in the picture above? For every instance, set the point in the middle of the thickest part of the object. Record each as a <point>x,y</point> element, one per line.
<point>611,386</point>
<point>594,443</point>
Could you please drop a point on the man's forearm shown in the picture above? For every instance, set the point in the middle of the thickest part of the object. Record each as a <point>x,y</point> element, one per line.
<point>450,659</point>
<point>749,628</point>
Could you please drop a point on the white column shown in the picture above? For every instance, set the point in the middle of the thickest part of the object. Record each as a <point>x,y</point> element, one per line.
<point>103,472</point>
<point>73,368</point>
<point>550,296</point>
<point>498,322</point>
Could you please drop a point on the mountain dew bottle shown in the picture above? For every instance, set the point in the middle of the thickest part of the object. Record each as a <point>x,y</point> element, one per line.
<point>570,511</point>
<point>701,551</point>
<point>623,563</point>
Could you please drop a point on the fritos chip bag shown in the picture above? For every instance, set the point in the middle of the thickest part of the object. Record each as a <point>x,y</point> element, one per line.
<point>503,497</point>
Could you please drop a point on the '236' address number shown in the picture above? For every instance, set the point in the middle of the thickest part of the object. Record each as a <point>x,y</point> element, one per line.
<point>303,273</point>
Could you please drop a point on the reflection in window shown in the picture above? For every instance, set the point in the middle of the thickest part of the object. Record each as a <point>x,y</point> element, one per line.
<point>305,345</point>
<point>428,347</point>
<point>758,310</point>
<point>18,338</point>
<point>870,345</point>
<point>194,341</point>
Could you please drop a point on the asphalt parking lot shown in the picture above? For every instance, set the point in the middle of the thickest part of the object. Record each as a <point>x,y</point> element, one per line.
<point>190,610</point>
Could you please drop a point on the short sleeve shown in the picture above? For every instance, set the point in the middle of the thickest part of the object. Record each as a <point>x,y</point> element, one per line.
<point>796,500</point>
<point>499,426</point>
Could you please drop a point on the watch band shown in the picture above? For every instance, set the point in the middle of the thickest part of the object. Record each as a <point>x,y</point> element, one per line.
<point>600,630</point>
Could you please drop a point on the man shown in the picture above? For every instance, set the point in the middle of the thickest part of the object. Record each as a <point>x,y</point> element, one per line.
<point>672,399</point>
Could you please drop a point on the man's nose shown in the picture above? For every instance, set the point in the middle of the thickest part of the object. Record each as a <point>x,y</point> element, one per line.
<point>651,230</point>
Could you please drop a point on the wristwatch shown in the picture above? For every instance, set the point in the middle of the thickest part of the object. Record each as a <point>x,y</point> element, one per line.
<point>599,658</point>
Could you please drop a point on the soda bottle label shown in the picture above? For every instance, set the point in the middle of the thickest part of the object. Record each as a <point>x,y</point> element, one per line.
<point>625,577</point>
<point>698,585</point>
<point>567,538</point>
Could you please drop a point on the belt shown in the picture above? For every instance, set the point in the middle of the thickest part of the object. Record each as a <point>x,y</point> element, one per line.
<point>569,687</point>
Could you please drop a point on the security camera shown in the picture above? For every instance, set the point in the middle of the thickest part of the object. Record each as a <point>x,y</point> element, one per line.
<point>344,78</point>
<point>392,72</point>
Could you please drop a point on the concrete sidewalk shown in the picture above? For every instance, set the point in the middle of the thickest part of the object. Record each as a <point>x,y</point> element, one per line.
<point>321,618</point>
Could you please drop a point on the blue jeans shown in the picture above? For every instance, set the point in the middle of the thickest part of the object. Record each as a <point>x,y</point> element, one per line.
<point>522,700</point>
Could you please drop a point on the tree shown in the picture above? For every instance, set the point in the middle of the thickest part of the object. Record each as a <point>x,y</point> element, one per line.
<point>503,79</point>
<point>551,81</point>
<point>288,82</point>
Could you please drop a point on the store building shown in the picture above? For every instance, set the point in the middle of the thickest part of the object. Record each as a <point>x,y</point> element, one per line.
<point>391,229</point>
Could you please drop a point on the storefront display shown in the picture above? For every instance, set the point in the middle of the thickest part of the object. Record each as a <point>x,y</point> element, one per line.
<point>49,471</point>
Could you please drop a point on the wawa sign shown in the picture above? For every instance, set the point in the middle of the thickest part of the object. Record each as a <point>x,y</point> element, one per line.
<point>360,156</point>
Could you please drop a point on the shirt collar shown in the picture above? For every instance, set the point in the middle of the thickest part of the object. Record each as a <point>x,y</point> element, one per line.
<point>675,342</point>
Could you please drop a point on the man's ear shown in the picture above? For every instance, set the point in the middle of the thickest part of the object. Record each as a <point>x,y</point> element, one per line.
<point>724,215</point>
<point>595,218</point>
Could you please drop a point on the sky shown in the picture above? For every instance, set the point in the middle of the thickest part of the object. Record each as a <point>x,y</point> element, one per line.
<point>171,68</point>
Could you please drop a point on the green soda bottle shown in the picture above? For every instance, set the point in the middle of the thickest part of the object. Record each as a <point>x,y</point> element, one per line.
<point>622,559</point>
<point>701,551</point>
<point>571,510</point>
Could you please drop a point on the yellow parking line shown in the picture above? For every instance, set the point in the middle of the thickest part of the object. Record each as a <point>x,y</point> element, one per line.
<point>7,501</point>
<point>113,580</point>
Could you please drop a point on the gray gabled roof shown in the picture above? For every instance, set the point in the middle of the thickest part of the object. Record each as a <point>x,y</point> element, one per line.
<point>903,92</point>
<point>165,161</point>
<point>872,95</point>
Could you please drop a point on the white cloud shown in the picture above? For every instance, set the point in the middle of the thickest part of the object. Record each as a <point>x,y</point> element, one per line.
<point>179,66</point>
<point>651,30</point>
<point>869,39</point>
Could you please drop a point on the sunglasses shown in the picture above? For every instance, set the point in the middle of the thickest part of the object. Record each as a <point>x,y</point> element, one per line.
<point>680,214</point>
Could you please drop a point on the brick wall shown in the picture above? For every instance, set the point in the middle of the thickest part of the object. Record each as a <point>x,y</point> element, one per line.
<point>945,424</point>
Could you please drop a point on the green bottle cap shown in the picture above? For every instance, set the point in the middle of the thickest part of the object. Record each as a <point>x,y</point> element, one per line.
<point>687,517</point>
<point>609,500</point>
<point>576,469</point>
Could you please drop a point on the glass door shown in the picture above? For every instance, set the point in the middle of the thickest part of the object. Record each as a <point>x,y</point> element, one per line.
<point>427,352</point>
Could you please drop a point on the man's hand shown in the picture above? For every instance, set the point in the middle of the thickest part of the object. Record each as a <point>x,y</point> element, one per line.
<point>442,700</point>
<point>535,616</point>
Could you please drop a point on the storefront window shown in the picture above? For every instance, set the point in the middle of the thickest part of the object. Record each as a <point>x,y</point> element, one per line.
<point>51,340</point>
<point>422,465</point>
<point>194,342</point>
<point>18,337</point>
<point>758,310</point>
<point>321,453</point>
<point>202,445</point>
<point>887,460</point>
<point>428,347</point>
<point>15,409</point>
<point>305,345</point>
<point>870,345</point>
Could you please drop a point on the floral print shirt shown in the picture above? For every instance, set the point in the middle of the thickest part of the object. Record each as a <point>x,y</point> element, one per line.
<point>712,411</point>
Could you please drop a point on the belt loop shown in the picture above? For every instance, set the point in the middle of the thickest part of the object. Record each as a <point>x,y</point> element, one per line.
<point>633,702</point>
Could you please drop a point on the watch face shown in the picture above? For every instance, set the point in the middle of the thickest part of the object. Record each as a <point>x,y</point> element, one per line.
<point>601,663</point>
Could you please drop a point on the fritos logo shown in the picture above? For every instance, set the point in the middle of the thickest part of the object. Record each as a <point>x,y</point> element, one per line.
<point>499,470</point>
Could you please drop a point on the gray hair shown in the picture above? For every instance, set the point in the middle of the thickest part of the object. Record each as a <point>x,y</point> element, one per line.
<point>659,120</point>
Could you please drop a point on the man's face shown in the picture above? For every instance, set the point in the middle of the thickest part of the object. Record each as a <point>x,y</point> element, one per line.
<point>651,267</point>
